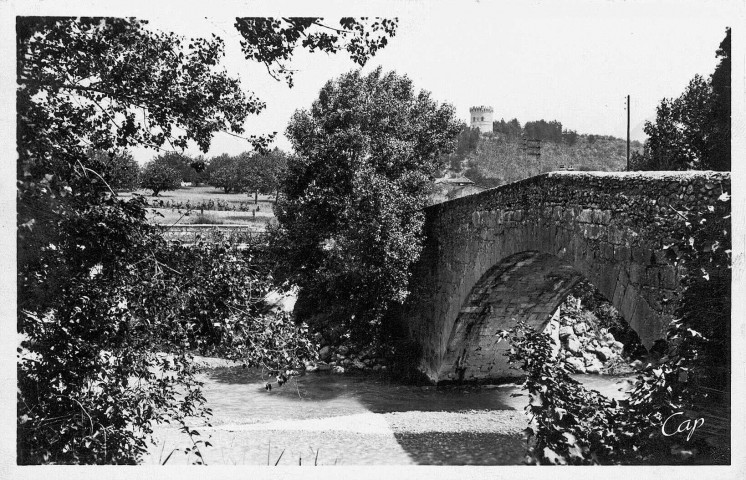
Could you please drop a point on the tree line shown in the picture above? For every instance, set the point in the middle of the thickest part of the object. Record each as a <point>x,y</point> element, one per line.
<point>248,172</point>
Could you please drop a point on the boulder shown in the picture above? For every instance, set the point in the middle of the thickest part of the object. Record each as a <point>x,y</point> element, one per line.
<point>325,354</point>
<point>565,331</point>
<point>358,364</point>
<point>637,365</point>
<point>608,338</point>
<point>580,328</point>
<point>617,347</point>
<point>343,350</point>
<point>604,353</point>
<point>311,367</point>
<point>573,344</point>
<point>338,369</point>
<point>323,366</point>
<point>576,364</point>
<point>593,368</point>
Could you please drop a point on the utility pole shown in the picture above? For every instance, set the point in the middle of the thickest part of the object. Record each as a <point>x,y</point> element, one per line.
<point>628,133</point>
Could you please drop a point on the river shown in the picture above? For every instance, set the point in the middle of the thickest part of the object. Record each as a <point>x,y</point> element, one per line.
<point>328,419</point>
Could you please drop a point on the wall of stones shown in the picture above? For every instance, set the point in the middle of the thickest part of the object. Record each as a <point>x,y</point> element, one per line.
<point>609,227</point>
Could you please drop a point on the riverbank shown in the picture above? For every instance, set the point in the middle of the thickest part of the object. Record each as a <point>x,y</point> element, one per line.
<point>354,419</point>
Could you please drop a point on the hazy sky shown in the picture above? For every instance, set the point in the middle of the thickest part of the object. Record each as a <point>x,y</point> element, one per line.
<point>573,61</point>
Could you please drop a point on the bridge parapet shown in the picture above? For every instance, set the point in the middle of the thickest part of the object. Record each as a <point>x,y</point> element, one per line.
<point>610,228</point>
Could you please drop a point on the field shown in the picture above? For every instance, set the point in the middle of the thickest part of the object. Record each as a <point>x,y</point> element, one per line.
<point>207,205</point>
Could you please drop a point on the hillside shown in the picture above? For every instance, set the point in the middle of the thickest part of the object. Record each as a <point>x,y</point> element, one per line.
<point>496,159</point>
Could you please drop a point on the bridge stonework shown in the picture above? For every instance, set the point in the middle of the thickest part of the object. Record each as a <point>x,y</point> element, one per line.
<point>515,252</point>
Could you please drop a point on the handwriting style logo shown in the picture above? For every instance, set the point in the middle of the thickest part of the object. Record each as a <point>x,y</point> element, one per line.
<point>685,426</point>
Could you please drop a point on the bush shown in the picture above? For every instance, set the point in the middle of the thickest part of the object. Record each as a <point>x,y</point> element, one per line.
<point>109,356</point>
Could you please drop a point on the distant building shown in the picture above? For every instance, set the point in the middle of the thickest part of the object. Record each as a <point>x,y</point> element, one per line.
<point>481,118</point>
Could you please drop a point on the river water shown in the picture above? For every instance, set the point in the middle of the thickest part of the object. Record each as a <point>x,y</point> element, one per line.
<point>328,419</point>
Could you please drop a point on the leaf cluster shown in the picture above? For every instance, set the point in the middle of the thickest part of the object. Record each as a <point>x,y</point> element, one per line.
<point>273,41</point>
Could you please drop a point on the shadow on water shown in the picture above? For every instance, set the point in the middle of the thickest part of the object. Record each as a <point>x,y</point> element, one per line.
<point>237,396</point>
<point>379,394</point>
<point>464,448</point>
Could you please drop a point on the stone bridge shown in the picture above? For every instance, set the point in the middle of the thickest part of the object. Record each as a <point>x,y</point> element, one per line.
<point>514,253</point>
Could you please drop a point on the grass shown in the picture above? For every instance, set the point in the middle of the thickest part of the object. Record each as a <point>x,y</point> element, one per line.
<point>205,193</point>
<point>199,195</point>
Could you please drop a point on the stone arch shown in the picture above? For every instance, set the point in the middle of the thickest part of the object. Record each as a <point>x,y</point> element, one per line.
<point>528,285</point>
<point>613,228</point>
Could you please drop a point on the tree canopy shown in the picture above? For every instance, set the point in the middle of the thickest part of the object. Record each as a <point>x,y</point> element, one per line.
<point>159,177</point>
<point>247,172</point>
<point>119,170</point>
<point>88,262</point>
<point>350,212</point>
<point>692,132</point>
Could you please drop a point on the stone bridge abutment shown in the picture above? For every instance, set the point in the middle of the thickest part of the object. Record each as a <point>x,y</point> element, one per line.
<point>514,253</point>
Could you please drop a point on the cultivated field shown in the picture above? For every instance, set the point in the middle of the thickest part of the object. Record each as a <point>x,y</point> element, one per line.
<point>207,205</point>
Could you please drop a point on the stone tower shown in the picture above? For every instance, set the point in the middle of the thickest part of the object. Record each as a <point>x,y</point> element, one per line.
<point>481,118</point>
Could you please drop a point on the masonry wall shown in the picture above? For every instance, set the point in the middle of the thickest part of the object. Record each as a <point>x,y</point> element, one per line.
<point>608,227</point>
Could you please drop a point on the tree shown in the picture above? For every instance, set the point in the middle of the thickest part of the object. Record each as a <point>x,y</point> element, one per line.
<point>350,214</point>
<point>87,259</point>
<point>120,171</point>
<point>543,130</point>
<point>159,177</point>
<point>692,132</point>
<point>510,130</point>
<point>266,172</point>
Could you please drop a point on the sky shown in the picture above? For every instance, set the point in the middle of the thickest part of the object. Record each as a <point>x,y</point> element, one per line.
<point>569,61</point>
<point>572,61</point>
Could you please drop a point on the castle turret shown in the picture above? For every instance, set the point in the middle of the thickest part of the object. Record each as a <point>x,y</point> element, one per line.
<point>481,118</point>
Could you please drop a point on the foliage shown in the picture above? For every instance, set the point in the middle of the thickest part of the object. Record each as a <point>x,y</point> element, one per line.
<point>692,132</point>
<point>511,129</point>
<point>499,160</point>
<point>350,212</point>
<point>272,41</point>
<point>543,130</point>
<point>571,425</point>
<point>230,173</point>
<point>247,172</point>
<point>185,166</point>
<point>215,297</point>
<point>90,381</point>
<point>158,177</point>
<point>604,314</point>
<point>119,171</point>
<point>466,142</point>
<point>267,171</point>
